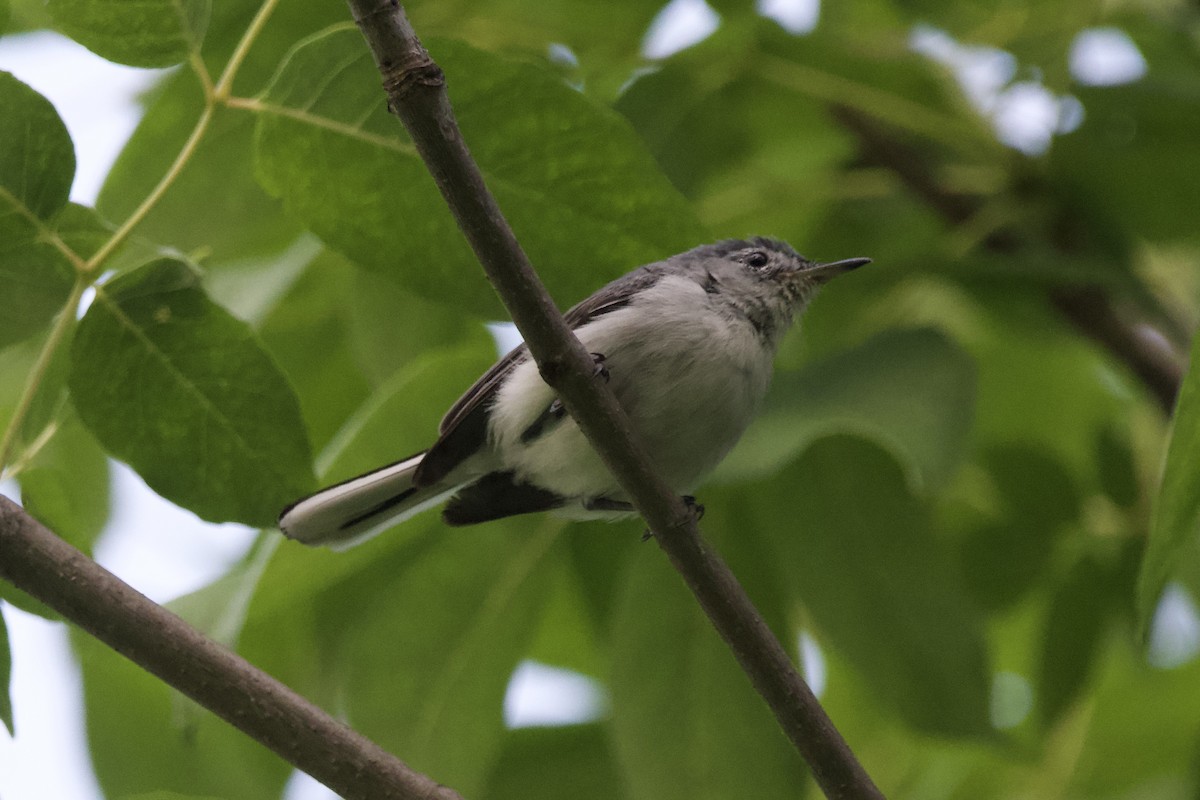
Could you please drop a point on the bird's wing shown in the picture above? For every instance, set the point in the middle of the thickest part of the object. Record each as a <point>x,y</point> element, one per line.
<point>464,428</point>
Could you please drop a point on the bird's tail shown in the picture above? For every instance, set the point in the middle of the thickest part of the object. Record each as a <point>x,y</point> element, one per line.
<point>353,511</point>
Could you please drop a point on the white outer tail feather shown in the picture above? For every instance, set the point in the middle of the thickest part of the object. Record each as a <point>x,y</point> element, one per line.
<point>353,511</point>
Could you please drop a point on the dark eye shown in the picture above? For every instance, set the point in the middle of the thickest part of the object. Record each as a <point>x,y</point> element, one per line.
<point>756,259</point>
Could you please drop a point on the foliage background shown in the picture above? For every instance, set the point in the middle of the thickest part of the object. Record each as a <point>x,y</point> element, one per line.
<point>957,498</point>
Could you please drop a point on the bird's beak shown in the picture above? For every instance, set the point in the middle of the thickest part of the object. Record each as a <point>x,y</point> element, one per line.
<point>822,273</point>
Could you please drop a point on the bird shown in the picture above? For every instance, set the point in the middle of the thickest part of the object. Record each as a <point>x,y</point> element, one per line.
<point>686,344</point>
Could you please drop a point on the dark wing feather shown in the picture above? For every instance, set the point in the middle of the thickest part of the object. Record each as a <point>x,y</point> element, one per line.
<point>464,428</point>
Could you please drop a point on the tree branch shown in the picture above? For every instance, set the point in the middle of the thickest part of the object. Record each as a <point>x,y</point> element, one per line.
<point>1145,352</point>
<point>415,86</point>
<point>38,562</point>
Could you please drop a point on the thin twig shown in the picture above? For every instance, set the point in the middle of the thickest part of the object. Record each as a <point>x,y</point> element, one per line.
<point>415,86</point>
<point>35,560</point>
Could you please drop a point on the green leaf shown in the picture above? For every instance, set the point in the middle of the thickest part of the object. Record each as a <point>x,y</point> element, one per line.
<point>138,745</point>
<point>1118,471</point>
<point>308,329</point>
<point>604,39</point>
<point>584,198</point>
<point>35,281</point>
<point>912,391</point>
<point>1171,548</point>
<point>37,274</point>
<point>172,384</point>
<point>427,651</point>
<point>1079,612</point>
<point>1128,163</point>
<point>219,611</point>
<point>37,159</point>
<point>574,761</point>
<point>878,584</point>
<point>6,710</point>
<point>245,223</point>
<point>146,33</point>
<point>686,721</point>
<point>66,486</point>
<point>734,141</point>
<point>37,165</point>
<point>391,327</point>
<point>1140,732</point>
<point>1025,356</point>
<point>1004,557</point>
<point>161,795</point>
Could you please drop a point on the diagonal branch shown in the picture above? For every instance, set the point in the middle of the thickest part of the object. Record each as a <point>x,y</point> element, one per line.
<point>1145,352</point>
<point>38,562</point>
<point>415,86</point>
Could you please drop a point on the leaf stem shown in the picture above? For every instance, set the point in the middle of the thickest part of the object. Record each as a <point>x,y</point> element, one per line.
<point>185,155</point>
<point>224,85</point>
<point>213,96</point>
<point>36,375</point>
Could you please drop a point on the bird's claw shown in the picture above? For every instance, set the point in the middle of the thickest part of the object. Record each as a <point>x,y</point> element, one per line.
<point>601,371</point>
<point>697,510</point>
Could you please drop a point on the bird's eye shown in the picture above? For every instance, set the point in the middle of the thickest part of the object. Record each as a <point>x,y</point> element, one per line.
<point>756,259</point>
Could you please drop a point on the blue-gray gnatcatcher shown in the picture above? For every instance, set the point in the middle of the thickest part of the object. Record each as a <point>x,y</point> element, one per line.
<point>687,345</point>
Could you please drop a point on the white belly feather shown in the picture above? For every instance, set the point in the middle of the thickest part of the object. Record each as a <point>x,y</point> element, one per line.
<point>690,377</point>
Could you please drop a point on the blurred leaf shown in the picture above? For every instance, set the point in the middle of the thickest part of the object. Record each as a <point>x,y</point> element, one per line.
<point>309,330</point>
<point>137,746</point>
<point>1177,508</point>
<point>879,586</point>
<point>146,33</point>
<point>1080,609</point>
<point>6,710</point>
<point>427,652</point>
<point>1142,730</point>
<point>599,553</point>
<point>1118,473</point>
<point>574,761</point>
<point>686,721</point>
<point>168,796</point>
<point>219,609</point>
<point>604,38</point>
<point>390,327</point>
<point>1041,31</point>
<point>251,289</point>
<point>587,202</point>
<point>1041,383</point>
<point>28,603</point>
<point>912,391</point>
<point>567,635</point>
<point>1004,557</point>
<point>171,383</point>
<point>1129,163</point>
<point>66,486</point>
<point>735,141</point>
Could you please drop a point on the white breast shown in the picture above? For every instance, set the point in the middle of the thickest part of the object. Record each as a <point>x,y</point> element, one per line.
<point>690,375</point>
